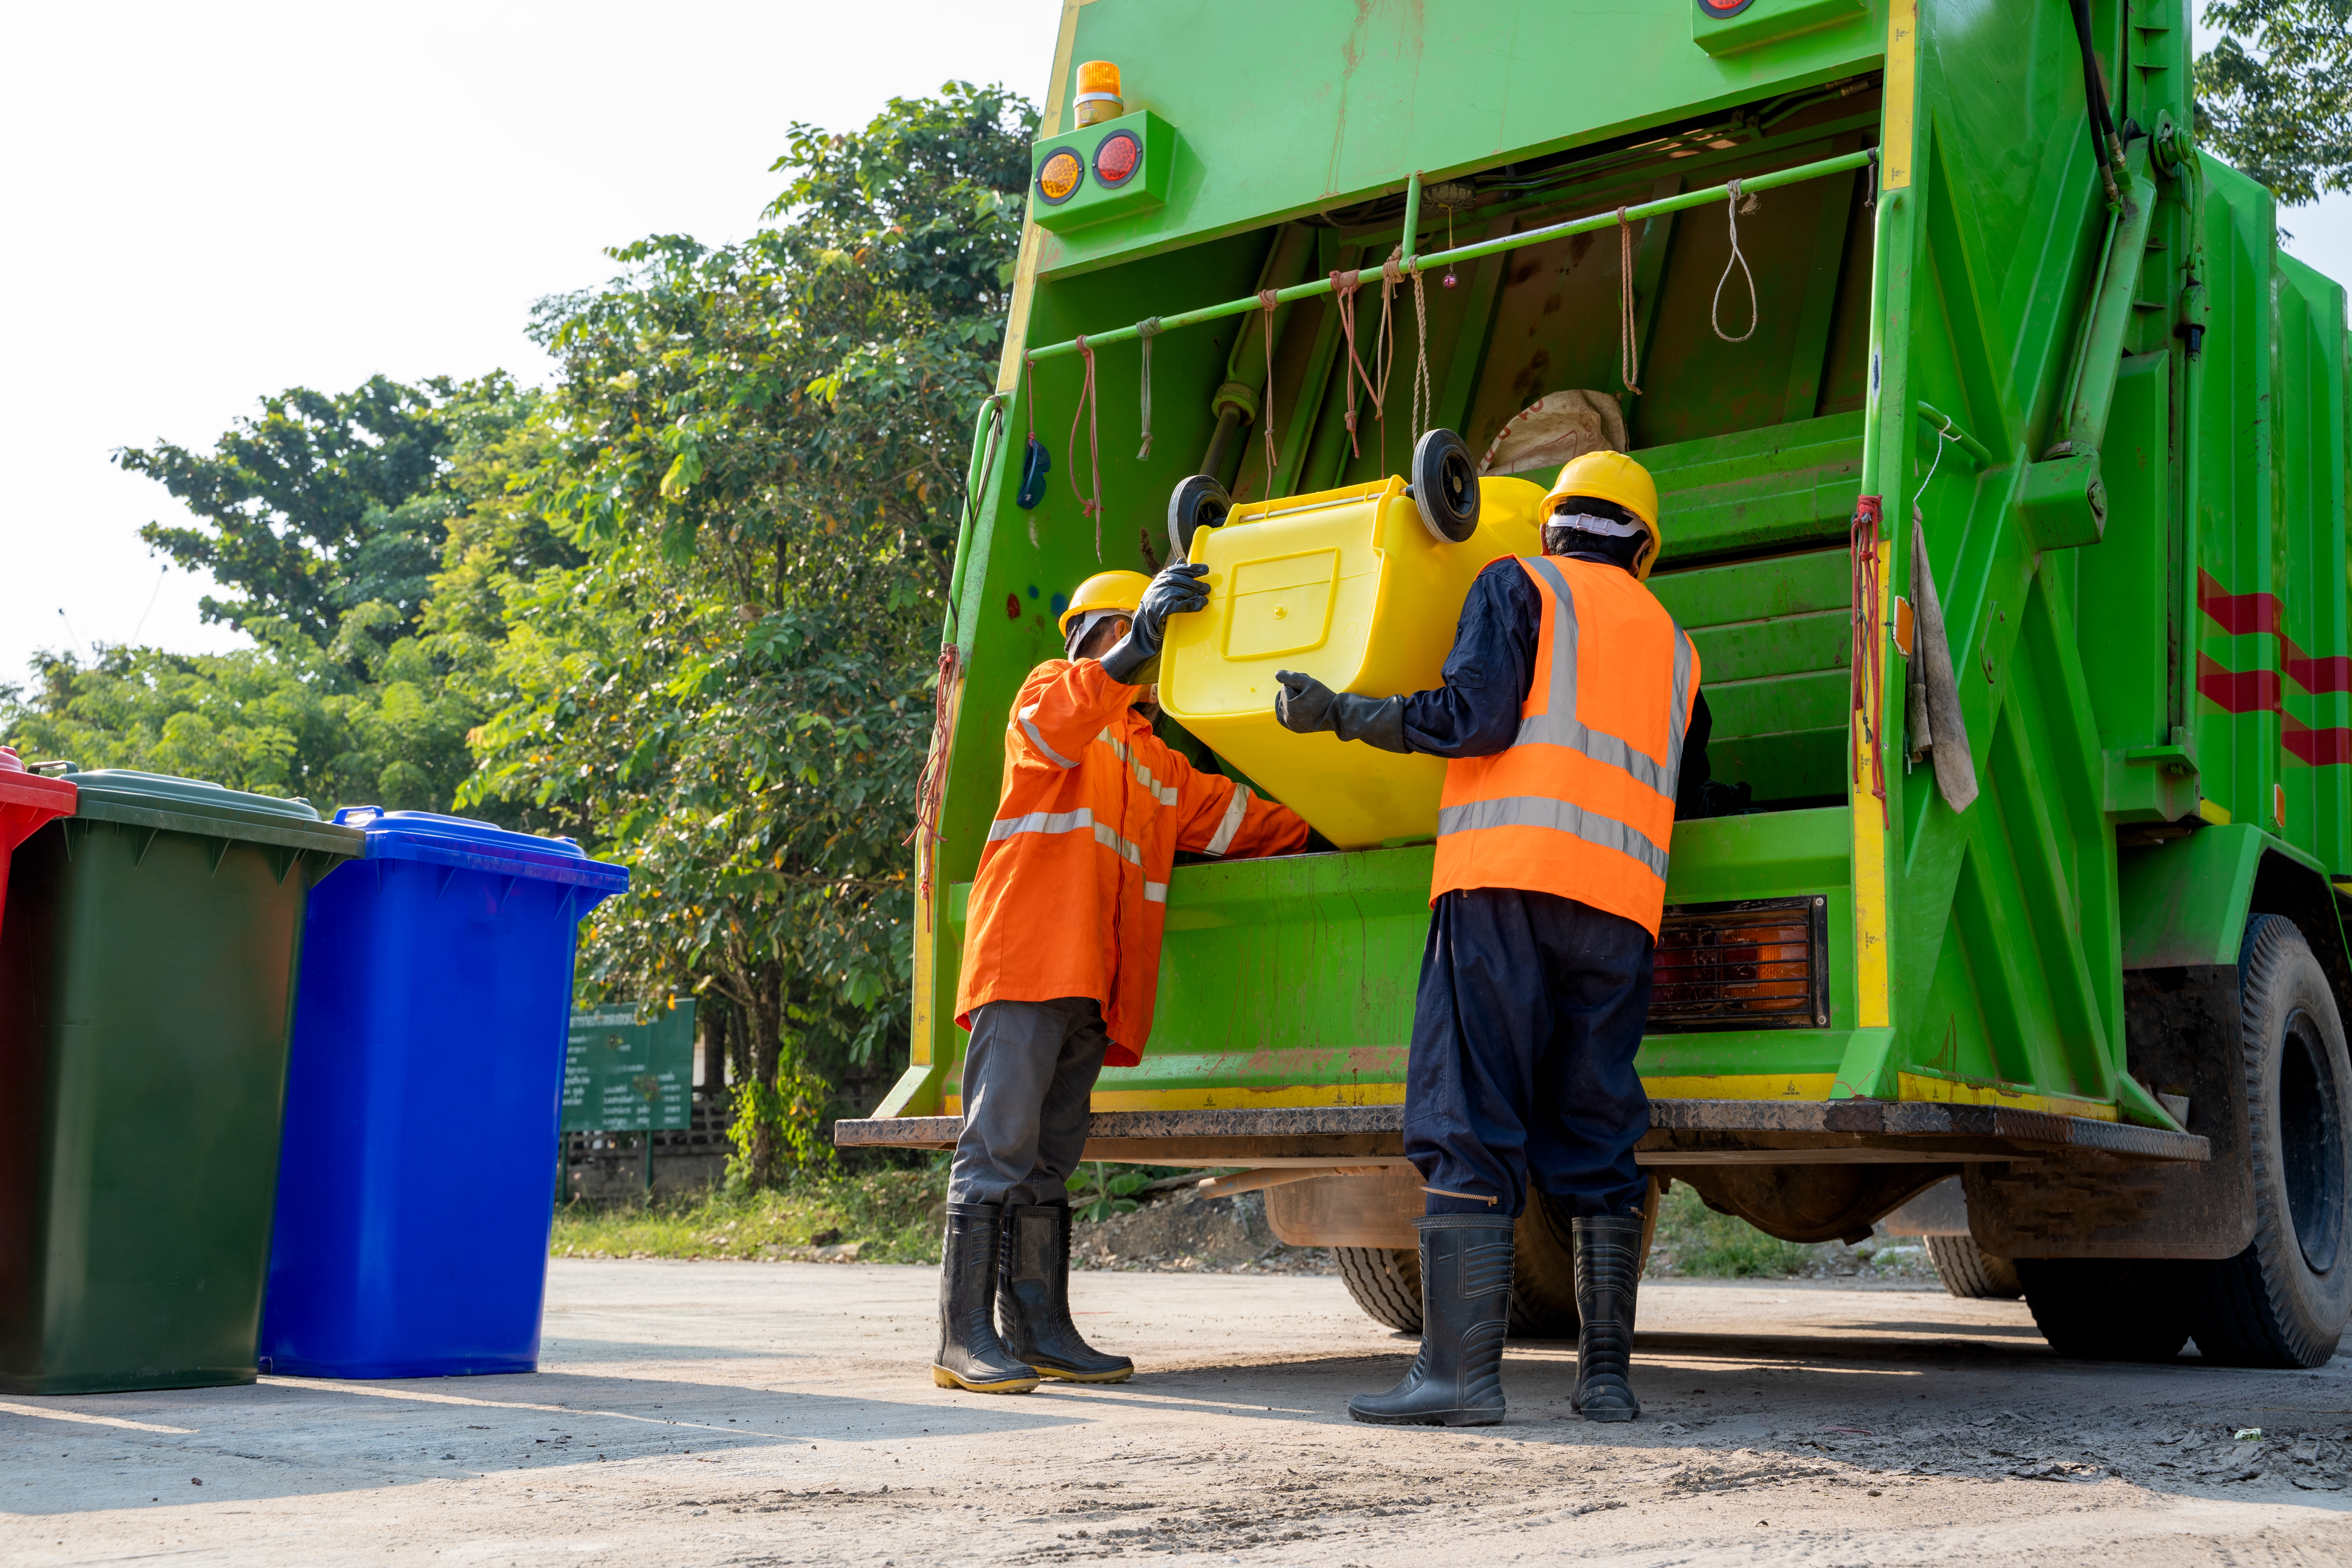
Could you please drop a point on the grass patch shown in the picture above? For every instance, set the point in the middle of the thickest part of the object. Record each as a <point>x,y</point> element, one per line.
<point>1694,1241</point>
<point>891,1217</point>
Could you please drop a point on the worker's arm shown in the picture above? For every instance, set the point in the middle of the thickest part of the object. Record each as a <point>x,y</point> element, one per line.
<point>1223,817</point>
<point>1475,713</point>
<point>1064,706</point>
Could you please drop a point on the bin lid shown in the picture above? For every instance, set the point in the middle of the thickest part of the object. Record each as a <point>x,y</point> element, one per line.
<point>440,840</point>
<point>198,805</point>
<point>21,787</point>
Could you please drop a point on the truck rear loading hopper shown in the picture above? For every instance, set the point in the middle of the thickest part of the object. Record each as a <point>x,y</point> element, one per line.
<point>2086,950</point>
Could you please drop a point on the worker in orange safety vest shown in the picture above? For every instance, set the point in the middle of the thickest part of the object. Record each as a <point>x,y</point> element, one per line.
<point>1574,734</point>
<point>1061,965</point>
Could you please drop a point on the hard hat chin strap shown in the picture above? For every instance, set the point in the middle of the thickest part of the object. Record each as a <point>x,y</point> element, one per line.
<point>1083,627</point>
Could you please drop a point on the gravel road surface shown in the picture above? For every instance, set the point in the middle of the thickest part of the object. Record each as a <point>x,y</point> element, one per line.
<point>758,1414</point>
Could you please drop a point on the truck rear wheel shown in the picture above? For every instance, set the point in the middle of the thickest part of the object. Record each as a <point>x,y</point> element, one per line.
<point>1969,1271</point>
<point>2283,1301</point>
<point>1385,1282</point>
<point>2107,1309</point>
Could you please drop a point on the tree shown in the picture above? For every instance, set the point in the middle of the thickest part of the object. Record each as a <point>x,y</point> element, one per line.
<point>2283,115</point>
<point>759,447</point>
<point>354,695</point>
<point>323,503</point>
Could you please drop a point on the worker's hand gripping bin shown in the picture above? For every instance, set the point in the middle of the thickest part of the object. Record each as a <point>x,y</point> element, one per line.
<point>1359,588</point>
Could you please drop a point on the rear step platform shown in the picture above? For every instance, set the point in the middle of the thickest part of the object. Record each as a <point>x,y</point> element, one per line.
<point>1682,1132</point>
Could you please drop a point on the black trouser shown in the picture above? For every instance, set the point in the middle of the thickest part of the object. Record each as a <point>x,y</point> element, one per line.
<point>1029,1073</point>
<point>1530,1010</point>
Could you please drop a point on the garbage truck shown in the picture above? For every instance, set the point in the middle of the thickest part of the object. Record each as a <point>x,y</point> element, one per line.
<point>2000,451</point>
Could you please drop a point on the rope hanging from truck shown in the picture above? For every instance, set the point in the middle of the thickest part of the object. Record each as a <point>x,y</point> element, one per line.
<point>1269,297</point>
<point>1345,286</point>
<point>1732,209</point>
<point>1146,330</point>
<point>1086,410</point>
<point>1629,350</point>
<point>1868,698</point>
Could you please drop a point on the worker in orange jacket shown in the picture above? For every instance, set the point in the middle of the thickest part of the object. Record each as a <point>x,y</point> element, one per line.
<point>1061,965</point>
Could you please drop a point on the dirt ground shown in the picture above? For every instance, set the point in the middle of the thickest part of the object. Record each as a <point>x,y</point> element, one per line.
<point>755,1414</point>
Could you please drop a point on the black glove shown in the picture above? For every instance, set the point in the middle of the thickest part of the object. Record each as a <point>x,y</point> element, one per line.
<point>1177,591</point>
<point>1305,705</point>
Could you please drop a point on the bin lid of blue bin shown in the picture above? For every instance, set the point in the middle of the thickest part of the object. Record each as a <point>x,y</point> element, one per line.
<point>439,840</point>
<point>201,806</point>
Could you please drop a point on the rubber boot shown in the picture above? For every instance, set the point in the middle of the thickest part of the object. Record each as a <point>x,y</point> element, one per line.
<point>1465,1311</point>
<point>971,1355</point>
<point>1608,1265</point>
<point>1033,1298</point>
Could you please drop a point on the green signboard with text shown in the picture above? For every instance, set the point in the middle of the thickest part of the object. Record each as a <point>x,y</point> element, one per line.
<point>630,1070</point>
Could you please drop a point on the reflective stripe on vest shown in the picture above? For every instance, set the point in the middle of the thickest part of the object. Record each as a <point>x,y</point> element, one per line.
<point>1593,823</point>
<point>1004,827</point>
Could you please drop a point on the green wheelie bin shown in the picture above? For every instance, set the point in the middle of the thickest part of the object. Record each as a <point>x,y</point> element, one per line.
<point>146,989</point>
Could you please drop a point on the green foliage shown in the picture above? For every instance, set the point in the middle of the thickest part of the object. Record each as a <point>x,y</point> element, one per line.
<point>1099,1196</point>
<point>891,1216</point>
<point>286,719</point>
<point>1693,1239</point>
<point>2281,111</point>
<point>758,449</point>
<point>789,1111</point>
<point>325,502</point>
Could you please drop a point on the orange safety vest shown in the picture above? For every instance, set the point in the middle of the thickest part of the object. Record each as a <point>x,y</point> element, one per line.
<point>1072,890</point>
<point>1582,803</point>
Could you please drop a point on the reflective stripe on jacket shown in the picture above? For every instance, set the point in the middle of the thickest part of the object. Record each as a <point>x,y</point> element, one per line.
<point>1582,803</point>
<point>1072,883</point>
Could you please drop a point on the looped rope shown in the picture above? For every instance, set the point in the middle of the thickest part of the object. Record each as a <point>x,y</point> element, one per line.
<point>1422,399</point>
<point>1947,435</point>
<point>1086,411</point>
<point>1755,310</point>
<point>1384,351</point>
<point>1145,330</point>
<point>1629,348</point>
<point>1269,298</point>
<point>1344,287</point>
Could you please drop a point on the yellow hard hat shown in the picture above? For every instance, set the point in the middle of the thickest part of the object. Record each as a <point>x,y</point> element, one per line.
<point>1106,591</point>
<point>1612,476</point>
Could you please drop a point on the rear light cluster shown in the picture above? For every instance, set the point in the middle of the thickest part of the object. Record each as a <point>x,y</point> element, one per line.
<point>1759,963</point>
<point>1116,157</point>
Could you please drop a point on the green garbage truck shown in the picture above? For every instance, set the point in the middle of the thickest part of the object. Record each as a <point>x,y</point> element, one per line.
<point>2002,461</point>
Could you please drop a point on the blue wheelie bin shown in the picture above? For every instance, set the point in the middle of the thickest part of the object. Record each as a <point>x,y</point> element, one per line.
<point>413,1194</point>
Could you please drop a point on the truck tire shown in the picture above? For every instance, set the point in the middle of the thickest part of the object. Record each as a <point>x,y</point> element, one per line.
<point>2283,1301</point>
<point>1543,1274</point>
<point>1385,1282</point>
<point>1969,1271</point>
<point>2107,1309</point>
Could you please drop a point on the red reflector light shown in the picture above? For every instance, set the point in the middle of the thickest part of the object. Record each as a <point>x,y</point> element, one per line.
<point>1116,159</point>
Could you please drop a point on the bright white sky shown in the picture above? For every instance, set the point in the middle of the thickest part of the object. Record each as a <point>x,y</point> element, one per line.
<point>213,201</point>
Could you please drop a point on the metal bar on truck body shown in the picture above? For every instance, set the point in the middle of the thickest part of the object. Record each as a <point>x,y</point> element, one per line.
<point>1945,426</point>
<point>2103,340</point>
<point>1473,252</point>
<point>1411,238</point>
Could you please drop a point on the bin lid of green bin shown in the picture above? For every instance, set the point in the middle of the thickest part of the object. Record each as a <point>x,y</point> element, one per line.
<point>198,805</point>
<point>439,840</point>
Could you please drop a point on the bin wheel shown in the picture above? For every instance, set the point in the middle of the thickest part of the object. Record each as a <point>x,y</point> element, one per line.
<point>1967,1270</point>
<point>1197,502</point>
<point>1445,486</point>
<point>1385,1282</point>
<point>1543,1273</point>
<point>2107,1309</point>
<point>2283,1301</point>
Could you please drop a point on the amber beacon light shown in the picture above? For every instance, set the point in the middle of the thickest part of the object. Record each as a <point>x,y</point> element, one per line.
<point>1098,96</point>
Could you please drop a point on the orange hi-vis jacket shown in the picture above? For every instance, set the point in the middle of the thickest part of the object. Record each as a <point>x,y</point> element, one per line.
<point>1582,802</point>
<point>1072,890</point>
